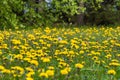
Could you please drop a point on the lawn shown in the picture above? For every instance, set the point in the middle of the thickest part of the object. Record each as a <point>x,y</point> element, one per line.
<point>77,53</point>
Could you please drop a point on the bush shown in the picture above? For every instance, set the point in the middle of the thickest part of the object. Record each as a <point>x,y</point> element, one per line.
<point>28,12</point>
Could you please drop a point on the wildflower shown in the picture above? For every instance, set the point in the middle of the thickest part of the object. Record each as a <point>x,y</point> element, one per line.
<point>78,65</point>
<point>29,69</point>
<point>29,74</point>
<point>83,43</point>
<point>115,60</point>
<point>95,53</point>
<point>6,71</point>
<point>4,46</point>
<point>29,78</point>
<point>19,56</point>
<point>111,72</point>
<point>48,45</point>
<point>27,59</point>
<point>46,60</point>
<point>31,37</point>
<point>50,72</point>
<point>108,56</point>
<point>81,52</point>
<point>47,30</point>
<point>64,72</point>
<point>14,41</point>
<point>114,64</point>
<point>43,74</point>
<point>1,68</point>
<point>59,38</point>
<point>17,71</point>
<point>63,42</point>
<point>34,62</point>
<point>51,67</point>
<point>118,55</point>
<point>63,64</point>
<point>94,58</point>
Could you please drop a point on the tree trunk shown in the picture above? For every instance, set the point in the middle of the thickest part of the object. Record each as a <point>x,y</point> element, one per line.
<point>80,17</point>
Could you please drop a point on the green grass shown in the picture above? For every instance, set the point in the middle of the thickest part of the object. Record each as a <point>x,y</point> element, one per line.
<point>28,54</point>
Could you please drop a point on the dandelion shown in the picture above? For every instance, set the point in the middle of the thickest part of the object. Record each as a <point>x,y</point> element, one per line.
<point>78,65</point>
<point>111,72</point>
<point>34,62</point>
<point>17,71</point>
<point>59,38</point>
<point>63,42</point>
<point>114,64</point>
<point>29,69</point>
<point>6,71</point>
<point>81,52</point>
<point>108,56</point>
<point>29,78</point>
<point>31,37</point>
<point>45,60</point>
<point>51,67</point>
<point>64,72</point>
<point>43,74</point>
<point>1,68</point>
<point>29,74</point>
<point>94,58</point>
<point>16,42</point>
<point>50,72</point>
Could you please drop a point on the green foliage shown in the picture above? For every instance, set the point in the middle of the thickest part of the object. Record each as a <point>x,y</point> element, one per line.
<point>102,12</point>
<point>66,6</point>
<point>8,9</point>
<point>21,13</point>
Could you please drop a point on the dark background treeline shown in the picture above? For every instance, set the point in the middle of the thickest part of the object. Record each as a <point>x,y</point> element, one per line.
<point>23,13</point>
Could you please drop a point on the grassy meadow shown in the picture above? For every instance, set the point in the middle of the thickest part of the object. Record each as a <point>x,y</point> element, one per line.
<point>60,54</point>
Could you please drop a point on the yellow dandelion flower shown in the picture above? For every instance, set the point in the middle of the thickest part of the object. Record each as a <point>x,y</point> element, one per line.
<point>114,64</point>
<point>111,72</point>
<point>81,52</point>
<point>94,58</point>
<point>78,65</point>
<point>63,42</point>
<point>31,37</point>
<point>64,71</point>
<point>108,56</point>
<point>1,68</point>
<point>4,46</point>
<point>15,41</point>
<point>50,72</point>
<point>29,78</point>
<point>34,62</point>
<point>27,59</point>
<point>29,74</point>
<point>118,55</point>
<point>6,71</point>
<point>51,67</point>
<point>43,74</point>
<point>46,60</point>
<point>29,69</point>
<point>19,69</point>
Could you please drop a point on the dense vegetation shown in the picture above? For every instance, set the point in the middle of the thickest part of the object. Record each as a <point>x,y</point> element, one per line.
<point>23,13</point>
<point>33,48</point>
<point>60,54</point>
